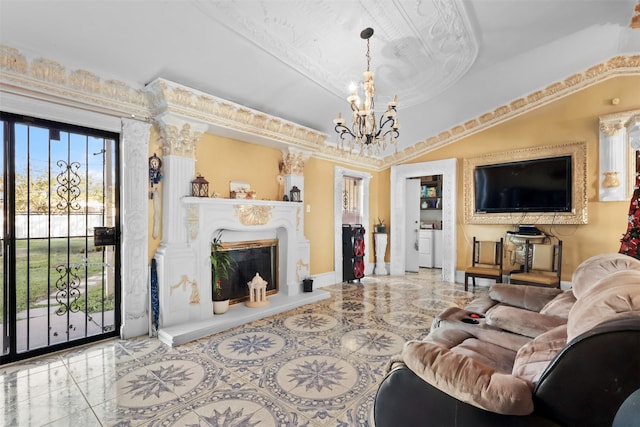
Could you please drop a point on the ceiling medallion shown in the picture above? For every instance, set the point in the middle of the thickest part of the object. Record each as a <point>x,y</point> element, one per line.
<point>365,133</point>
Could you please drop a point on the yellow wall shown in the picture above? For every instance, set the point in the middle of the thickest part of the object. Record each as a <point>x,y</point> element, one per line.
<point>221,160</point>
<point>570,119</point>
<point>573,118</point>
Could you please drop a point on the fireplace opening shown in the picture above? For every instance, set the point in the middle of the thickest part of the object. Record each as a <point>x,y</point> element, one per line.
<point>249,258</point>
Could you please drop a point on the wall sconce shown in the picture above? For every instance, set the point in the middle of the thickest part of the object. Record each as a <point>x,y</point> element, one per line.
<point>294,194</point>
<point>200,187</point>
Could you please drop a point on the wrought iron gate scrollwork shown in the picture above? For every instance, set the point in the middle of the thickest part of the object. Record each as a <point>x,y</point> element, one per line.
<point>68,289</point>
<point>68,188</point>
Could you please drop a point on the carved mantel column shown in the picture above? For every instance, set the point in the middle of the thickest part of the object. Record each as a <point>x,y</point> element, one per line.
<point>178,138</point>
<point>175,258</point>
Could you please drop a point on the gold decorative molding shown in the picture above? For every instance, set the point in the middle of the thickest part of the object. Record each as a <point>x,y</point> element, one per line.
<point>611,179</point>
<point>166,96</point>
<point>178,141</point>
<point>49,80</point>
<point>293,163</point>
<point>578,214</point>
<point>301,266</point>
<point>253,215</point>
<point>618,65</point>
<point>611,128</point>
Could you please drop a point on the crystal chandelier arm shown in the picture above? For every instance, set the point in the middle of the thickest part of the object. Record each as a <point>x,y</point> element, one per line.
<point>341,130</point>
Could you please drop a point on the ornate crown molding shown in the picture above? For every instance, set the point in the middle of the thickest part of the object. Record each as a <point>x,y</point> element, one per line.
<point>50,81</point>
<point>616,66</point>
<point>172,98</point>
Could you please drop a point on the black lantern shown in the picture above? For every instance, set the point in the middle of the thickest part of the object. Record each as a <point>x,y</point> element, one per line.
<point>200,187</point>
<point>294,194</point>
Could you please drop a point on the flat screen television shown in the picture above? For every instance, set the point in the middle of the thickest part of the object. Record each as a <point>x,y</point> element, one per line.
<point>539,185</point>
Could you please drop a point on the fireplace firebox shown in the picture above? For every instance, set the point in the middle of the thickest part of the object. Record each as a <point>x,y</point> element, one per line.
<point>249,258</point>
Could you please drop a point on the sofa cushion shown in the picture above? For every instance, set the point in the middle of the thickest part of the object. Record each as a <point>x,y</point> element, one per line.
<point>560,306</point>
<point>461,342</point>
<point>458,318</point>
<point>532,358</point>
<point>468,380</point>
<point>532,298</point>
<point>591,270</point>
<point>522,322</point>
<point>612,296</point>
<point>497,358</point>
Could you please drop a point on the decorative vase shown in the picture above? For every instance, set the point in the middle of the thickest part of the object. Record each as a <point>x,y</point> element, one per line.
<point>220,307</point>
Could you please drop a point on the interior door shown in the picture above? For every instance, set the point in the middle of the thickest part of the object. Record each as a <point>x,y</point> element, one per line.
<point>412,221</point>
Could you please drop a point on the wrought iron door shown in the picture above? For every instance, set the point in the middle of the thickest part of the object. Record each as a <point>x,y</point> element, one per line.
<point>60,251</point>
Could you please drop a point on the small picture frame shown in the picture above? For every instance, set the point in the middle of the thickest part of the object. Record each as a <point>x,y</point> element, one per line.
<point>239,190</point>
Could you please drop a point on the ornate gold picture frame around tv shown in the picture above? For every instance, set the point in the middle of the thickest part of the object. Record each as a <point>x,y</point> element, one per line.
<point>578,214</point>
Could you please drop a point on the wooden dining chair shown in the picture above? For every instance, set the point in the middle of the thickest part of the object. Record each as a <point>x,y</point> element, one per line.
<point>486,261</point>
<point>542,266</point>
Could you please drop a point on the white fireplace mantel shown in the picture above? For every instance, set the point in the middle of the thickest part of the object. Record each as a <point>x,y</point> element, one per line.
<point>183,320</point>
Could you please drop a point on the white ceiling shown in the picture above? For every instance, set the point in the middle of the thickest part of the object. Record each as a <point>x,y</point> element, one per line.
<point>447,60</point>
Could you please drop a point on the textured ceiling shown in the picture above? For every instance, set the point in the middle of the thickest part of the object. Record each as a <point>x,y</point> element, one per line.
<point>448,61</point>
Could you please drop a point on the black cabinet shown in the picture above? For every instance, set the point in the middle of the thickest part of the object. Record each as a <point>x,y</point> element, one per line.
<point>352,252</point>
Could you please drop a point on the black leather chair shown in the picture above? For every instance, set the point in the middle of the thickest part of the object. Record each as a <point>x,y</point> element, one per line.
<point>584,385</point>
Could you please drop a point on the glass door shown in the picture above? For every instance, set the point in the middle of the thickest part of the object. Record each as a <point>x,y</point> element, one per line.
<point>60,225</point>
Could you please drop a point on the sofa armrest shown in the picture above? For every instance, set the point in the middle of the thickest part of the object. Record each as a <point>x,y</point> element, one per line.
<point>468,380</point>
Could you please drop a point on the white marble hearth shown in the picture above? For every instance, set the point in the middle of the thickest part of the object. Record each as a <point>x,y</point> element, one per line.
<point>237,315</point>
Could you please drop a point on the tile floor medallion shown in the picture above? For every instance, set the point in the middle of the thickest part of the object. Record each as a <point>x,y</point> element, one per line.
<point>314,366</point>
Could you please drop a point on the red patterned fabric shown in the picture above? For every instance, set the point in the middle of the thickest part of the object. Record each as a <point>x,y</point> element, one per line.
<point>631,239</point>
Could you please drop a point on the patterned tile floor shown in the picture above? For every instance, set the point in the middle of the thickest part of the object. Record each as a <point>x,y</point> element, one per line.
<point>318,365</point>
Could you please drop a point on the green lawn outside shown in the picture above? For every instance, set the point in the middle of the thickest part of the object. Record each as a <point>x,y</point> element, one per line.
<point>41,265</point>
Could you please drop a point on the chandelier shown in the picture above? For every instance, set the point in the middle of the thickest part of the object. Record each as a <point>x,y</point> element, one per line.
<point>635,19</point>
<point>365,132</point>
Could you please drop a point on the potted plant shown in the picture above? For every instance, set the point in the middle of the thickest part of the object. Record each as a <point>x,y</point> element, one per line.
<point>380,227</point>
<point>221,267</point>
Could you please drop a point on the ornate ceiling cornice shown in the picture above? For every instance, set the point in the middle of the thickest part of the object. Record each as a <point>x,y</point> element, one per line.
<point>50,81</point>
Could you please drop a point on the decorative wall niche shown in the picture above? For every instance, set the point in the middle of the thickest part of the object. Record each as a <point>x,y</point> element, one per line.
<point>578,214</point>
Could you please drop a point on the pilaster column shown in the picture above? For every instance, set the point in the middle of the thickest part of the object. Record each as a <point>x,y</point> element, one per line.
<point>613,158</point>
<point>293,160</point>
<point>134,153</point>
<point>292,169</point>
<point>616,158</point>
<point>178,139</point>
<point>176,260</point>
